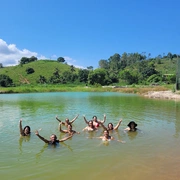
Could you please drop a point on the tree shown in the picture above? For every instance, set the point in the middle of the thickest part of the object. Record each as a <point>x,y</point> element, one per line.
<point>98,76</point>
<point>159,57</point>
<point>103,64</point>
<point>155,78</point>
<point>56,73</point>
<point>146,69</point>
<point>5,80</point>
<point>24,60</point>
<point>174,56</point>
<point>61,59</point>
<point>67,76</point>
<point>1,65</point>
<point>72,68</point>
<point>143,56</point>
<point>33,58</point>
<point>124,59</point>
<point>56,77</point>
<point>42,79</point>
<point>170,56</point>
<point>128,76</point>
<point>83,75</point>
<point>90,67</point>
<point>114,62</point>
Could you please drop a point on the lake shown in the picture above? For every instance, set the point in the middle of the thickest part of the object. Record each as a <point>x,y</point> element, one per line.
<point>151,153</point>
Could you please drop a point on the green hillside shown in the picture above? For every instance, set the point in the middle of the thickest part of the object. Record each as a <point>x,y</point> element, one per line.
<point>41,67</point>
<point>46,68</point>
<point>166,66</point>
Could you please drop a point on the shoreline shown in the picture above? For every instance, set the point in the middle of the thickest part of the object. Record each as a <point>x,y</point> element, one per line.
<point>155,92</point>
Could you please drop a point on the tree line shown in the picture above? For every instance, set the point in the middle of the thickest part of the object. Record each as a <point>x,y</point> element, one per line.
<point>128,68</point>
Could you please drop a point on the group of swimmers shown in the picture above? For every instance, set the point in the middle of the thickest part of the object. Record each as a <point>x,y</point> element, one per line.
<point>92,125</point>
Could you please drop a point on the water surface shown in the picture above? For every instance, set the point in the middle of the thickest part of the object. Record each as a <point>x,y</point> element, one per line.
<point>152,153</point>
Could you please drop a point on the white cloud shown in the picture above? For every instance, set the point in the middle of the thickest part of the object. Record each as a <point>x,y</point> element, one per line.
<point>71,61</point>
<point>53,57</point>
<point>10,54</point>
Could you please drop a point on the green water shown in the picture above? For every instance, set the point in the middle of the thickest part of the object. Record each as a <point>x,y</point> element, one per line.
<point>150,154</point>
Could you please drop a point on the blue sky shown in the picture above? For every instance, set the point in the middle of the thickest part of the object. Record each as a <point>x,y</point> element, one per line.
<point>86,31</point>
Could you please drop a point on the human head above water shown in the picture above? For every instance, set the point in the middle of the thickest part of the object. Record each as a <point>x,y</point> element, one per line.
<point>90,123</point>
<point>94,118</point>
<point>67,120</point>
<point>53,138</point>
<point>27,130</point>
<point>132,124</point>
<point>110,126</point>
<point>106,133</point>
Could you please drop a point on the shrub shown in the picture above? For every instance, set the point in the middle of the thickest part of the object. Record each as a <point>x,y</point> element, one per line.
<point>29,70</point>
<point>5,80</point>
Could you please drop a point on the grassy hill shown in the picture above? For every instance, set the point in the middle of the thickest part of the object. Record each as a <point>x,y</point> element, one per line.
<point>41,67</point>
<point>166,66</point>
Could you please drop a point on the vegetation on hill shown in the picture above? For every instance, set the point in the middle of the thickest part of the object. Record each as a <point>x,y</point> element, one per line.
<point>119,70</point>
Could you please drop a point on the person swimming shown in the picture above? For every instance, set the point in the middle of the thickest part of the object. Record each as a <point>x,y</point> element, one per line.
<point>106,136</point>
<point>68,130</point>
<point>96,122</point>
<point>131,126</point>
<point>90,127</point>
<point>53,138</point>
<point>110,126</point>
<point>67,122</point>
<point>26,131</point>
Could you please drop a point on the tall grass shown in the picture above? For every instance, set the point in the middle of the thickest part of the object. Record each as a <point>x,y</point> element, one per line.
<point>73,88</point>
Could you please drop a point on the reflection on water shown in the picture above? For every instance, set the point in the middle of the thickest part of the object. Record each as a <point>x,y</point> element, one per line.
<point>21,140</point>
<point>151,153</point>
<point>132,135</point>
<point>38,155</point>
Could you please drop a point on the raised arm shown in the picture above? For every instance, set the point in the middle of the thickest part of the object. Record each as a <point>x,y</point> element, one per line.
<point>103,119</point>
<point>85,120</point>
<point>66,138</point>
<point>20,127</point>
<point>74,119</point>
<point>40,137</point>
<point>59,120</point>
<point>63,131</point>
<point>103,126</point>
<point>118,124</point>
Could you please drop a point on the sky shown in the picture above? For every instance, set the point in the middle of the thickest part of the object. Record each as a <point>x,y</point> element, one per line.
<point>86,31</point>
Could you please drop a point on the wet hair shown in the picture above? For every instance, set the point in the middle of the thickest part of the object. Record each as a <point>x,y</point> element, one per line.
<point>132,122</point>
<point>54,136</point>
<point>28,128</point>
<point>109,124</point>
<point>66,119</point>
<point>106,130</point>
<point>94,117</point>
<point>91,122</point>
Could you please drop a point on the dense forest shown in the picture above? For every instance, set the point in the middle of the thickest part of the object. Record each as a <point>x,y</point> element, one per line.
<point>119,70</point>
